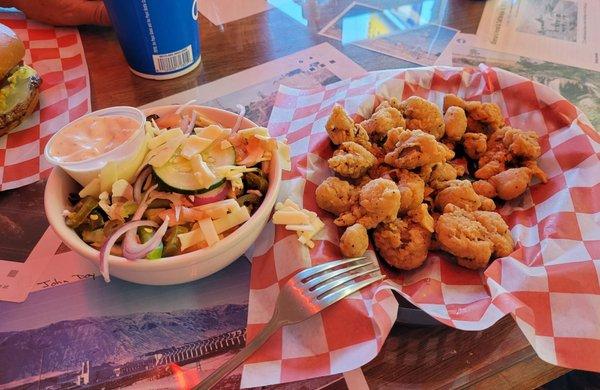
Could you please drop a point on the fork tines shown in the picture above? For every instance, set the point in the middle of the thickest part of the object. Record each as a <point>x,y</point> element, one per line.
<point>334,280</point>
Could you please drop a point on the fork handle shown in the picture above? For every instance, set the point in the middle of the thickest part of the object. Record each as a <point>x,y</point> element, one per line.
<point>241,356</point>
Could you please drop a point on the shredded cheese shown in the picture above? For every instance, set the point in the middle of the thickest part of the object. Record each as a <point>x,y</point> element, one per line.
<point>294,217</point>
<point>208,229</point>
<point>202,171</point>
<point>202,120</point>
<point>300,228</point>
<point>122,188</point>
<point>261,131</point>
<point>226,144</point>
<point>104,203</point>
<point>233,171</point>
<point>92,189</point>
<point>164,137</point>
<point>306,227</point>
<point>237,217</point>
<point>219,209</point>
<point>191,238</point>
<point>214,132</point>
<point>194,145</point>
<point>161,155</point>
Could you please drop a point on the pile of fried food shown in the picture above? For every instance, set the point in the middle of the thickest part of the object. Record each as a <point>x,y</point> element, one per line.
<point>421,179</point>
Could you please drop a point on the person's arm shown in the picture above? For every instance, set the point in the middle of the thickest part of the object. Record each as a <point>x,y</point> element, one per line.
<point>62,12</point>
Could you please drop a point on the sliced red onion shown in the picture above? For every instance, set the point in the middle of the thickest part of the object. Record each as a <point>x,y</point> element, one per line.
<point>188,123</point>
<point>143,204</point>
<point>192,123</point>
<point>139,182</point>
<point>133,250</point>
<point>184,106</point>
<point>238,122</point>
<point>211,197</point>
<point>147,184</point>
<point>110,242</point>
<point>184,123</point>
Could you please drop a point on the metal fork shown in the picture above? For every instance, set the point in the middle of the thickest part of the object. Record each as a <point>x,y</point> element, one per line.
<point>304,295</point>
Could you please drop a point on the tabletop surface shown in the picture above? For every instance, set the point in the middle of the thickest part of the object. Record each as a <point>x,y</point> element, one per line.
<point>426,356</point>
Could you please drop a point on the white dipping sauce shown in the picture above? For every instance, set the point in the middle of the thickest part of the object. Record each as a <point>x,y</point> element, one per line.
<point>92,136</point>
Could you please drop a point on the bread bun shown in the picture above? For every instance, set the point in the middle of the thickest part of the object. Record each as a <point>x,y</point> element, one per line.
<point>12,50</point>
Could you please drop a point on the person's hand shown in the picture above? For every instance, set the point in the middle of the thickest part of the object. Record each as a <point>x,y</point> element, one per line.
<point>64,12</point>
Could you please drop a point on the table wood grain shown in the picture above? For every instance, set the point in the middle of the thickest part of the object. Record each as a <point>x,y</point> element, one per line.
<point>412,357</point>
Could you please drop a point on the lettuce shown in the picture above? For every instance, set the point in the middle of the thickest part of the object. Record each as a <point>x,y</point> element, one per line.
<point>16,89</point>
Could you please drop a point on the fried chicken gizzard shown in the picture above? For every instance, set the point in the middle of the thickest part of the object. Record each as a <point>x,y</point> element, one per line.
<point>378,201</point>
<point>401,174</point>
<point>473,236</point>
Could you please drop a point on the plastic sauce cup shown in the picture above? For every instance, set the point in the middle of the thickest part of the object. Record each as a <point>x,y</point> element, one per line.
<point>85,171</point>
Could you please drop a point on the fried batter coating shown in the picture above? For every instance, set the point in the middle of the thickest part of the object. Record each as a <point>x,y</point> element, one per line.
<point>382,120</point>
<point>402,244</point>
<point>487,204</point>
<point>495,157</point>
<point>416,148</point>
<point>355,241</point>
<point>511,183</point>
<point>510,145</point>
<point>522,144</point>
<point>411,187</point>
<point>481,117</point>
<point>421,216</point>
<point>455,122</point>
<point>380,169</point>
<point>475,145</point>
<point>336,195</point>
<point>536,170</point>
<point>379,200</point>
<point>490,169</point>
<point>487,113</point>
<point>461,193</point>
<point>484,188</point>
<point>423,115</point>
<point>474,126</point>
<point>436,174</point>
<point>451,100</point>
<point>460,166</point>
<point>393,136</point>
<point>351,160</point>
<point>341,128</point>
<point>361,182</point>
<point>473,236</point>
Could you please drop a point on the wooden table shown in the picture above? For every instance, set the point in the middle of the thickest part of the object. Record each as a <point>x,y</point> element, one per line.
<point>429,357</point>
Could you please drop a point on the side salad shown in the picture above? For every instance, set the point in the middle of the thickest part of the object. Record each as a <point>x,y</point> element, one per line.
<point>195,184</point>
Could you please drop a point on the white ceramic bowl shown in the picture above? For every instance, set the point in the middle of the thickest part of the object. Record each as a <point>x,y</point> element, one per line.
<point>176,269</point>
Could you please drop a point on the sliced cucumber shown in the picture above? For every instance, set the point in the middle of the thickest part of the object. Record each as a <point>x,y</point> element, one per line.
<point>177,174</point>
<point>217,157</point>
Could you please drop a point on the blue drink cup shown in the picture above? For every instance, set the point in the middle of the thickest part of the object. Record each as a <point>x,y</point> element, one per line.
<point>159,38</point>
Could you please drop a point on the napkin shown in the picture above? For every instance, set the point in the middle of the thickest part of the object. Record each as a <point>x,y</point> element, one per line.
<point>57,55</point>
<point>549,284</point>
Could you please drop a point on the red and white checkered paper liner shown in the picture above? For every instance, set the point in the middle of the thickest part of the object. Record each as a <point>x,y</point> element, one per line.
<point>550,283</point>
<point>57,55</point>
